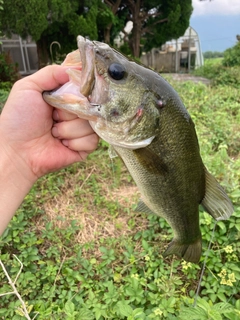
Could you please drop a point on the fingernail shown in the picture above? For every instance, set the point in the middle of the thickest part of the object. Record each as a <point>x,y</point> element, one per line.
<point>55,115</point>
<point>55,131</point>
<point>65,143</point>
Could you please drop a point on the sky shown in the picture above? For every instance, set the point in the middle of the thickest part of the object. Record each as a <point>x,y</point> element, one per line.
<point>217,23</point>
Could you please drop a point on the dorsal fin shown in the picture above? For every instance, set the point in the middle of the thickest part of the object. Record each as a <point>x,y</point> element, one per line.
<point>216,202</point>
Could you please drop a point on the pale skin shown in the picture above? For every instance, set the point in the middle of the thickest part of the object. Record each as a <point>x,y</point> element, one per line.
<point>36,139</point>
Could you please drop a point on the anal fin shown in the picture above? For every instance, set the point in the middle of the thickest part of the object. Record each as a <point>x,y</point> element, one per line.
<point>216,202</point>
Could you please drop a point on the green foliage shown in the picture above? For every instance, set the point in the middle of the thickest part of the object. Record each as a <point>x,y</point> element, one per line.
<point>224,71</point>
<point>1,8</point>
<point>212,54</point>
<point>85,24</point>
<point>3,98</point>
<point>5,87</point>
<point>54,20</point>
<point>219,74</point>
<point>105,17</point>
<point>58,20</point>
<point>24,17</point>
<point>206,310</point>
<point>232,56</point>
<point>8,69</point>
<point>123,275</point>
<point>8,75</point>
<point>165,20</point>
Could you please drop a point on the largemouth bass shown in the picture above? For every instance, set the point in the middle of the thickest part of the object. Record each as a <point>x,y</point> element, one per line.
<point>142,117</point>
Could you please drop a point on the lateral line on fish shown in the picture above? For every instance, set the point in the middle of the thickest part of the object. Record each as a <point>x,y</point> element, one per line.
<point>204,266</point>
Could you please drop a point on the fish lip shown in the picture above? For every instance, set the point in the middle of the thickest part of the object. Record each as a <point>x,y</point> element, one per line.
<point>68,97</point>
<point>87,55</point>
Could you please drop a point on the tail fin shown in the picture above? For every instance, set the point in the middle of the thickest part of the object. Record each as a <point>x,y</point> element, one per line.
<point>216,201</point>
<point>189,252</point>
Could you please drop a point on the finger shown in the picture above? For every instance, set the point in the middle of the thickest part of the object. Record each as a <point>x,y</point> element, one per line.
<point>83,155</point>
<point>48,78</point>
<point>61,115</point>
<point>88,143</point>
<point>73,129</point>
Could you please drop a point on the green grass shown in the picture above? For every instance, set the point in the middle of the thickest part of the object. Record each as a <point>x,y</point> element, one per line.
<point>212,61</point>
<point>219,74</point>
<point>87,255</point>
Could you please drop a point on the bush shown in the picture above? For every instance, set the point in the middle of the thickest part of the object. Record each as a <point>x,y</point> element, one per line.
<point>225,71</point>
<point>8,69</point>
<point>228,76</point>
<point>220,74</point>
<point>5,88</point>
<point>212,54</point>
<point>232,56</point>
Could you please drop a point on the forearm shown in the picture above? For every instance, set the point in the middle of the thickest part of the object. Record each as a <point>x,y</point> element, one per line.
<point>14,186</point>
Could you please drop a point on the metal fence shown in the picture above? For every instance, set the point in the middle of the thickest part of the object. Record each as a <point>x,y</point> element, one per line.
<point>22,52</point>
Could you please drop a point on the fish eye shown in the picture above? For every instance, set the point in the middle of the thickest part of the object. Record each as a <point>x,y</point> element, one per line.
<point>116,71</point>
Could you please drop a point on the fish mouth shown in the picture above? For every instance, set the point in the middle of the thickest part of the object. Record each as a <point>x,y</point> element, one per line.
<point>87,92</point>
<point>75,95</point>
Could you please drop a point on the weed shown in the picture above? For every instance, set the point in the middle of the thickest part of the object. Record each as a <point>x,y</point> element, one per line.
<point>87,255</point>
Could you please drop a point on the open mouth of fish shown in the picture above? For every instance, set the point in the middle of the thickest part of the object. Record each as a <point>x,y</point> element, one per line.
<point>88,90</point>
<point>74,96</point>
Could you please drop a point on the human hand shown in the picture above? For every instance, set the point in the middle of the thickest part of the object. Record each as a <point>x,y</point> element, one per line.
<point>27,135</point>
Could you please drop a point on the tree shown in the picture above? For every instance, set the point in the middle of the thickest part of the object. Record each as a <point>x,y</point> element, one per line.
<point>54,20</point>
<point>154,21</point>
<point>1,8</point>
<point>231,56</point>
<point>212,54</point>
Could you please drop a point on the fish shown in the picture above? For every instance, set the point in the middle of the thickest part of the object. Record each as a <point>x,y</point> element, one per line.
<point>142,117</point>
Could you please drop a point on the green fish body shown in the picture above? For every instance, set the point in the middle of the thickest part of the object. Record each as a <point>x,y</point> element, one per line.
<point>142,117</point>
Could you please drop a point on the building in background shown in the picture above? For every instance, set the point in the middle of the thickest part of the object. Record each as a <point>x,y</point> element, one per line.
<point>22,52</point>
<point>180,56</point>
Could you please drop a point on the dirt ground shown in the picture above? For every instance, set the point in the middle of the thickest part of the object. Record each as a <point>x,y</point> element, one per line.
<point>188,77</point>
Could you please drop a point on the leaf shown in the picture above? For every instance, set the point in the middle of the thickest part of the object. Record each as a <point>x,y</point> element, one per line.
<point>222,225</point>
<point>223,307</point>
<point>235,193</point>
<point>137,312</point>
<point>124,309</point>
<point>145,245</point>
<point>203,304</point>
<point>221,296</point>
<point>215,315</point>
<point>85,314</point>
<point>69,308</point>
<point>193,313</point>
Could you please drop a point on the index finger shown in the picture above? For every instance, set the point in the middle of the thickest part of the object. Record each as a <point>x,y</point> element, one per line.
<point>49,78</point>
<point>61,115</point>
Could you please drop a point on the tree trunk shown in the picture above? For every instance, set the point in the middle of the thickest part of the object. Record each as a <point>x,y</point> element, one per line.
<point>42,51</point>
<point>114,7</point>
<point>107,34</point>
<point>137,26</point>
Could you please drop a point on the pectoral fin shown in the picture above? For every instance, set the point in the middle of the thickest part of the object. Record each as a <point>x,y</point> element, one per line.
<point>111,152</point>
<point>152,161</point>
<point>216,202</point>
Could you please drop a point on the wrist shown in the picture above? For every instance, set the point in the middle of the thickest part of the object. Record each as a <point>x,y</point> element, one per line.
<point>13,164</point>
<point>15,183</point>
